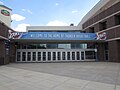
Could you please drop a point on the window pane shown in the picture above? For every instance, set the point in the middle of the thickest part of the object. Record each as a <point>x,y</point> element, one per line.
<point>64,46</point>
<point>52,46</point>
<point>29,56</point>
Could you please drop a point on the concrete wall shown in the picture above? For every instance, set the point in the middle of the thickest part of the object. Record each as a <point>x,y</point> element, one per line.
<point>52,28</point>
<point>5,19</point>
<point>95,9</point>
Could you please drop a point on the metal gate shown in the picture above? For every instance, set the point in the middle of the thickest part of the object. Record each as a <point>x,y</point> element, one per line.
<point>55,55</point>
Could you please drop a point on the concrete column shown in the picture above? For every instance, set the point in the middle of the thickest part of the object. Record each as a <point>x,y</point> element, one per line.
<point>12,52</point>
<point>101,52</point>
<point>2,52</point>
<point>4,58</point>
<point>114,51</point>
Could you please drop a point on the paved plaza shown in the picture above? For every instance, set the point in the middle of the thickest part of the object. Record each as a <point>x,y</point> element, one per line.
<point>60,76</point>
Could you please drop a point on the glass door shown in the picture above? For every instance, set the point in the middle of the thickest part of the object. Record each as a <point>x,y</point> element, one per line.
<point>49,56</point>
<point>39,56</point>
<point>82,55</point>
<point>18,56</point>
<point>78,55</point>
<point>23,56</point>
<point>28,56</point>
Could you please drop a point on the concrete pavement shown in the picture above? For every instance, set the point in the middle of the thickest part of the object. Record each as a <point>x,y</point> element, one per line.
<point>14,78</point>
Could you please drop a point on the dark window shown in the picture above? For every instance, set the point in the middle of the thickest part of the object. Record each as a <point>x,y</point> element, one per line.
<point>59,55</point>
<point>76,46</point>
<point>49,56</point>
<point>44,56</point>
<point>52,46</point>
<point>18,56</point>
<point>117,19</point>
<point>54,55</point>
<point>91,30</point>
<point>90,55</point>
<point>23,56</point>
<point>39,56</point>
<point>68,55</point>
<point>73,55</point>
<point>63,55</point>
<point>78,55</point>
<point>83,31</point>
<point>91,46</point>
<point>34,56</point>
<point>103,25</point>
<point>28,56</point>
<point>18,46</point>
<point>23,46</point>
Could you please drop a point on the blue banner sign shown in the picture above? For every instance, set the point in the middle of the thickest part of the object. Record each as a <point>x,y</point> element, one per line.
<point>55,36</point>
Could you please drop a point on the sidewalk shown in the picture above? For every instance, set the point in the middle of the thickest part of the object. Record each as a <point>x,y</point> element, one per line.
<point>20,79</point>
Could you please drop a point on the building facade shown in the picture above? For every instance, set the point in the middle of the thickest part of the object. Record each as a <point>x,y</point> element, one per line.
<point>54,44</point>
<point>105,20</point>
<point>96,38</point>
<point>7,49</point>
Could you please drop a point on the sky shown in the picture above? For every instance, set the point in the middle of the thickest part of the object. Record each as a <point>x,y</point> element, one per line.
<point>47,12</point>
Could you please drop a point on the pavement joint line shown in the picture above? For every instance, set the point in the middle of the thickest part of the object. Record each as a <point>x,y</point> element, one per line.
<point>118,73</point>
<point>23,81</point>
<point>7,76</point>
<point>85,85</point>
<point>60,83</point>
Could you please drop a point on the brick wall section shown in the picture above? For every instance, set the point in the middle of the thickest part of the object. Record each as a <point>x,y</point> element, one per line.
<point>113,9</point>
<point>112,30</point>
<point>5,57</point>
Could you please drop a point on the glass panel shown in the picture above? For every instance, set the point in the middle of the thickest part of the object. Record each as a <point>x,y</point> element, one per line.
<point>18,56</point>
<point>24,46</point>
<point>78,55</point>
<point>34,56</point>
<point>68,55</point>
<point>64,46</point>
<point>73,55</point>
<point>49,56</point>
<point>43,46</point>
<point>63,55</point>
<point>36,46</point>
<point>59,56</point>
<point>52,46</point>
<point>54,55</point>
<point>29,56</point>
<point>44,56</point>
<point>77,46</point>
<point>82,55</point>
<point>23,56</point>
<point>33,46</point>
<point>39,56</point>
<point>90,54</point>
<point>18,46</point>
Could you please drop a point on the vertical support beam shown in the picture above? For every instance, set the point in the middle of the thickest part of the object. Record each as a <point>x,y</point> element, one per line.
<point>101,52</point>
<point>2,52</point>
<point>114,51</point>
<point>12,52</point>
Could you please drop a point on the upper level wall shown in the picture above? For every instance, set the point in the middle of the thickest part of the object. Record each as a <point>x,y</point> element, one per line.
<point>103,15</point>
<point>95,9</point>
<point>5,15</point>
<point>52,28</point>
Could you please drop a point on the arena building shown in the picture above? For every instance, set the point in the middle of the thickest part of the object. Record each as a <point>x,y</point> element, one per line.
<point>96,38</point>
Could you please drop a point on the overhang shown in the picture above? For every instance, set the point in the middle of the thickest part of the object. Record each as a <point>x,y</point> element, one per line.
<point>3,38</point>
